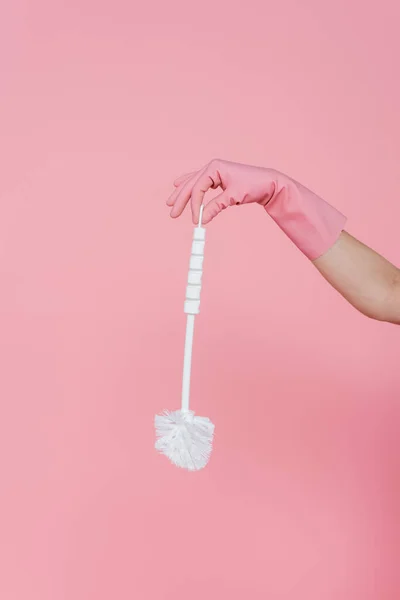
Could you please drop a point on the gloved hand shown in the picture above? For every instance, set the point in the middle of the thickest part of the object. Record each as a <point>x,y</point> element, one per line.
<point>310,222</point>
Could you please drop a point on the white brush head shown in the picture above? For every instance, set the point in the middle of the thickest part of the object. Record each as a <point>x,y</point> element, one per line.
<point>184,438</point>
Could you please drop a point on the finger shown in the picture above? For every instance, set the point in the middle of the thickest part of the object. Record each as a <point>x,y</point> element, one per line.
<point>183,178</point>
<point>209,180</point>
<point>178,183</point>
<point>183,196</point>
<point>216,206</point>
<point>172,198</point>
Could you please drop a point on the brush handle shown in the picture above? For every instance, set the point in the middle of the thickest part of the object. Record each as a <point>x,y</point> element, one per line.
<point>187,362</point>
<point>193,289</point>
<point>192,304</point>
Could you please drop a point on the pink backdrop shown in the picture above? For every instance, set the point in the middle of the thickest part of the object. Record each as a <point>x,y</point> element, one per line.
<point>102,104</point>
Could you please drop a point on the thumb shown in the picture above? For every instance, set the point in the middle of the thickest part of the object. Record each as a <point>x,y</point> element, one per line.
<point>215,206</point>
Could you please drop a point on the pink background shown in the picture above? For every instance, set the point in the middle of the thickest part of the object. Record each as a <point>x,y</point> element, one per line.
<point>102,104</point>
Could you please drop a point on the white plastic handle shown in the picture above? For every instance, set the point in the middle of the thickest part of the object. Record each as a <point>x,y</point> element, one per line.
<point>193,289</point>
<point>201,215</point>
<point>192,304</point>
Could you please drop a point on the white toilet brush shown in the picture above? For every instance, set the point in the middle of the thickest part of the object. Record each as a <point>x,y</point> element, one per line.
<point>182,436</point>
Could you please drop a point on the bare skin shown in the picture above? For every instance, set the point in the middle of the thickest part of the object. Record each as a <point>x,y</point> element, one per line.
<point>364,278</point>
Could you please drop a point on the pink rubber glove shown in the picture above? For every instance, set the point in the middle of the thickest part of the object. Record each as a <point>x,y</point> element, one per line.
<point>310,222</point>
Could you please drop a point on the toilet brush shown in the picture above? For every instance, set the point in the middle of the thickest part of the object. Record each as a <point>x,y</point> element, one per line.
<point>186,439</point>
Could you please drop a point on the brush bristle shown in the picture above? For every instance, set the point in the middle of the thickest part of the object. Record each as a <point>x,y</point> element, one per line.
<point>184,438</point>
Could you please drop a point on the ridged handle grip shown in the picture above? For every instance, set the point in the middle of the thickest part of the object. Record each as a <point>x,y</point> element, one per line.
<point>193,289</point>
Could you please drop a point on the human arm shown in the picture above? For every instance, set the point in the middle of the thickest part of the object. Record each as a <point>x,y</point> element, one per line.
<point>363,277</point>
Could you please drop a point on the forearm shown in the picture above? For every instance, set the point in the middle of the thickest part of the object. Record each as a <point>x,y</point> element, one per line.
<point>368,281</point>
<point>364,278</point>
